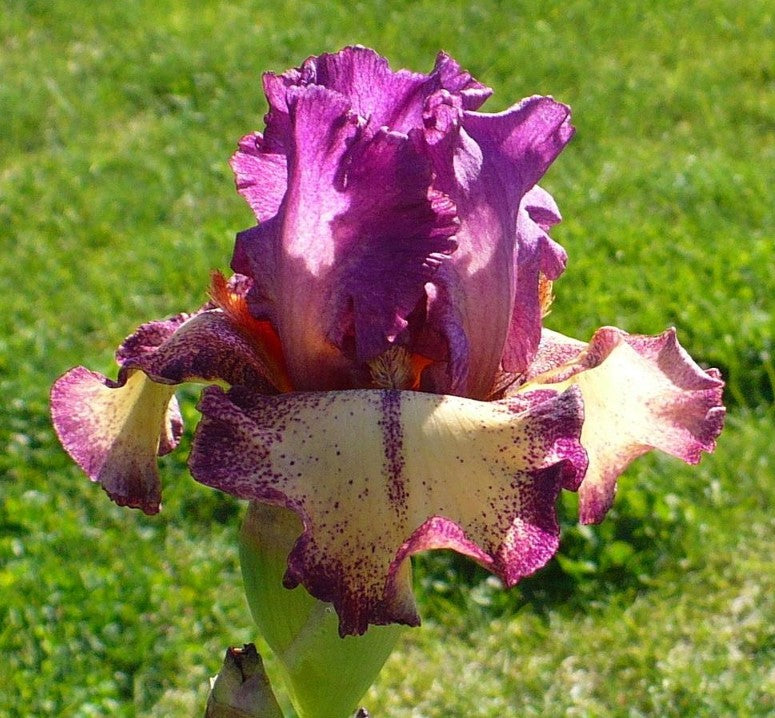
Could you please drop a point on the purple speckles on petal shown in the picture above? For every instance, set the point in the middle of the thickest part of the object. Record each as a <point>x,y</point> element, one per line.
<point>393,444</point>
<point>209,346</point>
<point>365,470</point>
<point>148,338</point>
<point>640,393</point>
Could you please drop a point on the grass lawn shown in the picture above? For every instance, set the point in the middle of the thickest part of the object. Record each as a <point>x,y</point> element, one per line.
<point>116,124</point>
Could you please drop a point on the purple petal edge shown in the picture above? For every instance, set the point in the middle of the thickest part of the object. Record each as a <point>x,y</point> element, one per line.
<point>285,450</point>
<point>641,393</point>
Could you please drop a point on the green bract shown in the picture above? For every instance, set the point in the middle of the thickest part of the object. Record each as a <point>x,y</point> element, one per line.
<point>326,675</point>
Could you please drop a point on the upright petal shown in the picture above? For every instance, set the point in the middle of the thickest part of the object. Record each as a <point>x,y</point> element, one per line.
<point>640,393</point>
<point>376,476</point>
<point>381,96</point>
<point>289,256</point>
<point>384,98</point>
<point>358,235</point>
<point>261,174</point>
<point>393,241</point>
<point>488,164</point>
<point>537,255</point>
<point>352,141</point>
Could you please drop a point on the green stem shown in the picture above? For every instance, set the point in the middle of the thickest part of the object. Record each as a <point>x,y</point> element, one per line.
<point>305,639</point>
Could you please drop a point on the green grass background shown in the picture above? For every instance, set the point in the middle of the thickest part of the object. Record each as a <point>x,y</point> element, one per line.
<point>116,123</point>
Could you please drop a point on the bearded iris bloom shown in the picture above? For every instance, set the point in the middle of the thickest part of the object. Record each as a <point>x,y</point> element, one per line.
<point>377,362</point>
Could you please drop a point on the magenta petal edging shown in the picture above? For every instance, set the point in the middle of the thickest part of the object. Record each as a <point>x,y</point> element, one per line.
<point>640,393</point>
<point>378,475</point>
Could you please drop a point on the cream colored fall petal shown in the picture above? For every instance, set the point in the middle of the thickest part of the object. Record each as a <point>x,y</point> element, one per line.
<point>377,475</point>
<point>640,393</point>
<point>114,432</point>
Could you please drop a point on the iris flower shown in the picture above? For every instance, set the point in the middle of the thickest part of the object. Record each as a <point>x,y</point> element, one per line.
<point>377,362</point>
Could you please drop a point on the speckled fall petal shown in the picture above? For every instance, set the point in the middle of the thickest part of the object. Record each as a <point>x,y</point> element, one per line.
<point>640,393</point>
<point>114,430</point>
<point>379,475</point>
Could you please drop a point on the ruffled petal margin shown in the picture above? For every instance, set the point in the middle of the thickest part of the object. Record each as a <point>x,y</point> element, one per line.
<point>489,164</point>
<point>340,267</point>
<point>114,430</point>
<point>640,393</point>
<point>377,476</point>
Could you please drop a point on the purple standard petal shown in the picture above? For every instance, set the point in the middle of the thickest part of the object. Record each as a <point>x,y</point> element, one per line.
<point>393,240</point>
<point>376,476</point>
<point>289,256</point>
<point>537,255</point>
<point>640,393</point>
<point>261,174</point>
<point>489,165</point>
<point>358,235</point>
<point>341,179</point>
<point>394,100</point>
<point>384,98</point>
<point>114,430</point>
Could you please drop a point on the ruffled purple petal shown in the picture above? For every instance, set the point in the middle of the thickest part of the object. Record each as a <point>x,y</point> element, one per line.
<point>394,239</point>
<point>458,81</point>
<point>208,347</point>
<point>148,337</point>
<point>342,179</point>
<point>383,98</point>
<point>261,175</point>
<point>640,393</point>
<point>537,255</point>
<point>290,257</point>
<point>489,166</point>
<point>358,235</point>
<point>376,476</point>
<point>523,141</point>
